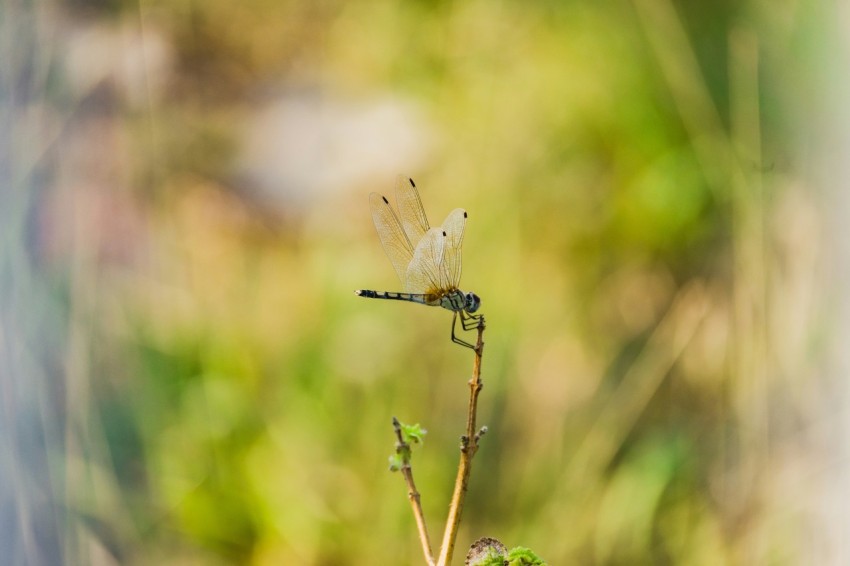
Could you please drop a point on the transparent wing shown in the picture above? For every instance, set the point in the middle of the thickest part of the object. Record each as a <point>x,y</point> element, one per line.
<point>393,238</point>
<point>423,273</point>
<point>410,210</point>
<point>453,226</point>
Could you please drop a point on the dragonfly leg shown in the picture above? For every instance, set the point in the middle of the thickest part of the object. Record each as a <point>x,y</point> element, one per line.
<point>455,339</point>
<point>471,321</point>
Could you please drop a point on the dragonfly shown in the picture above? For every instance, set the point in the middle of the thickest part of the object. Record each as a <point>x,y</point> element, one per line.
<point>427,260</point>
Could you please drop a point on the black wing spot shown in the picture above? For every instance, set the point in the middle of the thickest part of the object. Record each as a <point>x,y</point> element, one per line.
<point>412,184</point>
<point>464,214</point>
<point>444,233</point>
<point>385,199</point>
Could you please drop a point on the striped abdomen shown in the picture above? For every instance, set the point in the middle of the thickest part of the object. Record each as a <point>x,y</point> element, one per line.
<point>431,300</point>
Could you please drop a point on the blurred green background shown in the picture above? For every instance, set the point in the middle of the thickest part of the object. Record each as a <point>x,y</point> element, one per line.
<point>187,377</point>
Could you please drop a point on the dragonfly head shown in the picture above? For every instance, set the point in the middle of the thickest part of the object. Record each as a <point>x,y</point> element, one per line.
<point>473,301</point>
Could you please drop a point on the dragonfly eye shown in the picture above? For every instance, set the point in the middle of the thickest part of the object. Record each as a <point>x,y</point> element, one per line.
<point>472,302</point>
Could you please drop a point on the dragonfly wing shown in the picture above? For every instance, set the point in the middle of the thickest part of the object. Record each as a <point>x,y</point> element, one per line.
<point>393,238</point>
<point>453,226</point>
<point>410,210</point>
<point>423,273</point>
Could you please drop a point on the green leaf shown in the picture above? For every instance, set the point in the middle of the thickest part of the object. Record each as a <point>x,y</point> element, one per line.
<point>413,434</point>
<point>521,556</point>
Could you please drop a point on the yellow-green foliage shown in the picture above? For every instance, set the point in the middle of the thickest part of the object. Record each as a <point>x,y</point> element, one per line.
<point>640,233</point>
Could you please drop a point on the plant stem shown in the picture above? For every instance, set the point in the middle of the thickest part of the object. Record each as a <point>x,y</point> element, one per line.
<point>468,448</point>
<point>413,495</point>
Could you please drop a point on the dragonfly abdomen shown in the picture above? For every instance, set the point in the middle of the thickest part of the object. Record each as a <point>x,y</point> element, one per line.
<point>395,296</point>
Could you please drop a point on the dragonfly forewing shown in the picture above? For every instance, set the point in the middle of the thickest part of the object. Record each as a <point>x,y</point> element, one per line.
<point>410,210</point>
<point>393,238</point>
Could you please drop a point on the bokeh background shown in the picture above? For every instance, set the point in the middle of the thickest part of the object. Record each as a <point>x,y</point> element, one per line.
<point>657,227</point>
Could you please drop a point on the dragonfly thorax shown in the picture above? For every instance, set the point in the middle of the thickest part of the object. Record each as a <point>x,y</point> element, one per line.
<point>457,300</point>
